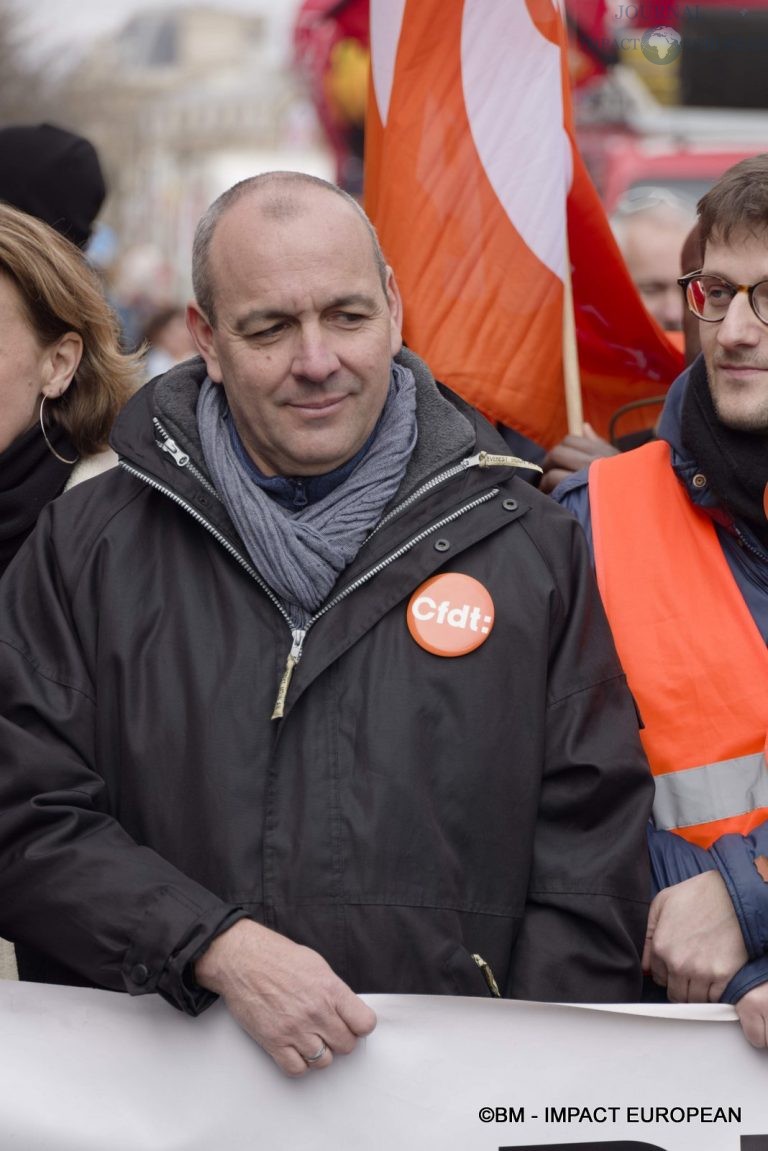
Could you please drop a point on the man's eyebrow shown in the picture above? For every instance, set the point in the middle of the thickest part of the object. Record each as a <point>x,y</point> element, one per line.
<point>353,300</point>
<point>258,316</point>
<point>270,315</point>
<point>727,279</point>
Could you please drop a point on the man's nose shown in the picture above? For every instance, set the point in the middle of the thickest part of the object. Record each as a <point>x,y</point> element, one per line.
<point>739,325</point>
<point>314,357</point>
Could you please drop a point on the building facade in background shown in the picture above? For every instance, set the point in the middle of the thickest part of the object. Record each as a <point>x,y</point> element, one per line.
<point>181,103</point>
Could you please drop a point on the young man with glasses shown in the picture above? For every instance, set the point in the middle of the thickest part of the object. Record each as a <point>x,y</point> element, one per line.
<point>577,451</point>
<point>679,531</point>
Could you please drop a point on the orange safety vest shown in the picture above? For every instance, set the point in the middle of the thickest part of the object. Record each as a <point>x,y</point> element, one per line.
<point>694,657</point>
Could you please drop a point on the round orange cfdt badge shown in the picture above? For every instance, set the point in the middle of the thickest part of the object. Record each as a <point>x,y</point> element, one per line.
<point>450,615</point>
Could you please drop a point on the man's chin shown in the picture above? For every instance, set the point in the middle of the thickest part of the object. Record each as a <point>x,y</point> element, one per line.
<point>740,412</point>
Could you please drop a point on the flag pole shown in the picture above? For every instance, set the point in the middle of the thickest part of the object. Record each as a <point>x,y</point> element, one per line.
<point>571,376</point>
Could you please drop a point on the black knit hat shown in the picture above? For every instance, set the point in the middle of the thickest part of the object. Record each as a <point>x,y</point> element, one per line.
<point>54,175</point>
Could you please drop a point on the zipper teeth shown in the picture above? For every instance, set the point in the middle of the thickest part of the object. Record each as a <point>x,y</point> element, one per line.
<point>749,546</point>
<point>401,551</point>
<point>216,535</point>
<point>189,465</point>
<point>361,580</point>
<point>456,470</point>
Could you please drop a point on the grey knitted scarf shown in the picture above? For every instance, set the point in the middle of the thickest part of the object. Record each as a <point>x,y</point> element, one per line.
<point>301,554</point>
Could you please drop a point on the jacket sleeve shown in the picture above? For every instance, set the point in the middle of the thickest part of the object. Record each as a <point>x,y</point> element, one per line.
<point>73,883</point>
<point>674,859</point>
<point>589,887</point>
<point>748,977</point>
<point>572,493</point>
<point>742,860</point>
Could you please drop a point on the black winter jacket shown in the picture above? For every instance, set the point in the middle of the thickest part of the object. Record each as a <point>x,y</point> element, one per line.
<point>407,811</point>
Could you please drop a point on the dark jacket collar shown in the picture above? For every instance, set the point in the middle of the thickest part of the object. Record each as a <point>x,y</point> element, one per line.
<point>449,428</point>
<point>687,468</point>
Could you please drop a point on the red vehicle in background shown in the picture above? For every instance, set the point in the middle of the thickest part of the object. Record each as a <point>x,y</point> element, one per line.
<point>684,150</point>
<point>642,124</point>
<point>687,171</point>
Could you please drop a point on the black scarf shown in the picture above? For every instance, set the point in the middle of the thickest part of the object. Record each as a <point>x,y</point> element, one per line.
<point>735,463</point>
<point>30,476</point>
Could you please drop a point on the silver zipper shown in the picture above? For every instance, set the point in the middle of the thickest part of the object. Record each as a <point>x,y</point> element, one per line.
<point>298,635</point>
<point>481,460</point>
<point>181,458</point>
<point>294,655</point>
<point>152,483</point>
<point>406,547</point>
<point>488,975</point>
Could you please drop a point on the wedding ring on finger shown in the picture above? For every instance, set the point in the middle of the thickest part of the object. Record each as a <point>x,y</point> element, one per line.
<point>310,1059</point>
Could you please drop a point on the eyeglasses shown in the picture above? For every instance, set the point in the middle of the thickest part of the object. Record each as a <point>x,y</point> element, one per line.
<point>709,297</point>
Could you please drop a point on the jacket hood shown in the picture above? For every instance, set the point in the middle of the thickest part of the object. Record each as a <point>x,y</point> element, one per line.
<point>687,466</point>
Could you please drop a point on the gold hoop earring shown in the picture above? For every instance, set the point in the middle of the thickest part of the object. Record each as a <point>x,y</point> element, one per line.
<point>49,445</point>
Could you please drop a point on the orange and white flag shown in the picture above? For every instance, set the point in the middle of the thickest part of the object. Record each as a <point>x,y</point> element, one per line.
<point>470,163</point>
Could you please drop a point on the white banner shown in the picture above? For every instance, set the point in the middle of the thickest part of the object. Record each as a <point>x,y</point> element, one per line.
<point>91,1071</point>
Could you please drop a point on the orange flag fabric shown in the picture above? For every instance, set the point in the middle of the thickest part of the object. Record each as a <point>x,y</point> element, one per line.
<point>470,172</point>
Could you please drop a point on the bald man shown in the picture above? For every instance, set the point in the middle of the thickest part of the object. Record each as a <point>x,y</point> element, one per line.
<point>651,239</point>
<point>314,696</point>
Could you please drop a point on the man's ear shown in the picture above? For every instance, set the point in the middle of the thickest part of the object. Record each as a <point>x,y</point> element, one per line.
<point>203,335</point>
<point>61,361</point>
<point>395,302</point>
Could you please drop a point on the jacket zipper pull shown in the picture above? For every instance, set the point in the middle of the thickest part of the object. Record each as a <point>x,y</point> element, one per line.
<point>172,448</point>
<point>488,975</point>
<point>488,460</point>
<point>285,682</point>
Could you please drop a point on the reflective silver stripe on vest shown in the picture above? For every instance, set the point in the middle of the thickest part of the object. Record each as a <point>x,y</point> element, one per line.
<point>714,791</point>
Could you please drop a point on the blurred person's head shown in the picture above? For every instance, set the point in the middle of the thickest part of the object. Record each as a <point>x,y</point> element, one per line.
<point>59,338</point>
<point>691,257</point>
<point>166,330</point>
<point>650,232</point>
<point>54,175</point>
<point>143,277</point>
<point>167,340</point>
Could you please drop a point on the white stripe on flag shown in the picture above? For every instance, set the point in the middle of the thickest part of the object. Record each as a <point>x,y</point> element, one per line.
<point>386,21</point>
<point>514,99</point>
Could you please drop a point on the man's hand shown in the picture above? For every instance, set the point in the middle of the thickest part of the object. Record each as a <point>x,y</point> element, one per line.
<point>752,1010</point>
<point>285,996</point>
<point>571,455</point>
<point>693,943</point>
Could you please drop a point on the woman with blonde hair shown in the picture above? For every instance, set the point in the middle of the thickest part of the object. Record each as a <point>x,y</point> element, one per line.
<point>63,377</point>
<point>63,380</point>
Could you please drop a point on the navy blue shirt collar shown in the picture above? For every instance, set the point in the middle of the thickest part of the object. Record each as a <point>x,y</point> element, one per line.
<point>296,492</point>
